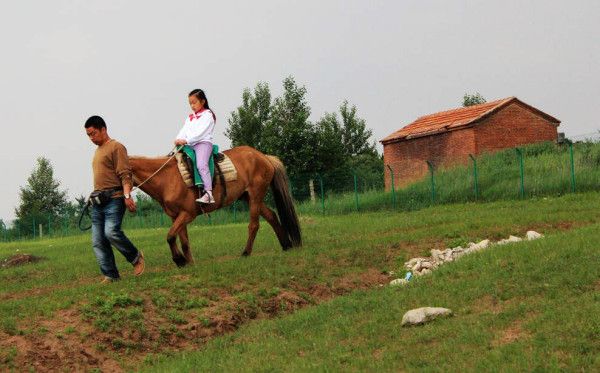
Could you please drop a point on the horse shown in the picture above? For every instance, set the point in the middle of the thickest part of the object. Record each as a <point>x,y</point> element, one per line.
<point>256,172</point>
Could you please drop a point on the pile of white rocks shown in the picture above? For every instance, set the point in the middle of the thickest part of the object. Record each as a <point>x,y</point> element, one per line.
<point>423,266</point>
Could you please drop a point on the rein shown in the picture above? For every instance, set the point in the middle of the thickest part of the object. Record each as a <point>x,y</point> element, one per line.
<point>173,152</point>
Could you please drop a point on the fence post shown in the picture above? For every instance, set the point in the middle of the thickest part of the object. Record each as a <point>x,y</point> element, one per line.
<point>475,176</point>
<point>355,189</point>
<point>520,155</point>
<point>393,186</point>
<point>430,165</point>
<point>322,194</point>
<point>572,168</point>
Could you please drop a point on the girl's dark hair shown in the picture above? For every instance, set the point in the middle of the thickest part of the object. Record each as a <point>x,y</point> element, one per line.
<point>200,95</point>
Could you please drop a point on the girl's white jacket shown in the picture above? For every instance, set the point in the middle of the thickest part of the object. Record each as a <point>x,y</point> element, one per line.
<point>198,127</point>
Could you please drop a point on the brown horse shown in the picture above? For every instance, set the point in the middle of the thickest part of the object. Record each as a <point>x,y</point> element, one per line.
<point>255,173</point>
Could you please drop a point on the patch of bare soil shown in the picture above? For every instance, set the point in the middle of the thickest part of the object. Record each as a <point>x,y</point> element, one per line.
<point>511,334</point>
<point>19,259</point>
<point>487,303</point>
<point>71,341</point>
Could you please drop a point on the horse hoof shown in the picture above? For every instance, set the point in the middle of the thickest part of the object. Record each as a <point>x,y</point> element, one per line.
<point>245,253</point>
<point>180,261</point>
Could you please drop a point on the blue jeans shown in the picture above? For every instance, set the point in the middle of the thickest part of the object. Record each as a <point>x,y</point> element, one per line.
<point>106,231</point>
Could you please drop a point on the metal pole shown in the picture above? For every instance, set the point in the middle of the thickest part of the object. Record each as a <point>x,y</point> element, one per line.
<point>520,155</point>
<point>322,194</point>
<point>355,189</point>
<point>430,164</point>
<point>393,186</point>
<point>475,176</point>
<point>572,168</point>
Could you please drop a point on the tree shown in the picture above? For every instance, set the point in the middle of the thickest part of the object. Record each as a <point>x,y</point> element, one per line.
<point>473,99</point>
<point>247,123</point>
<point>355,135</point>
<point>288,133</point>
<point>42,199</point>
<point>344,148</point>
<point>330,151</point>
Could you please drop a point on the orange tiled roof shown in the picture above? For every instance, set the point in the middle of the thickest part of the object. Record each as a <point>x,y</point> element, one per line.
<point>445,120</point>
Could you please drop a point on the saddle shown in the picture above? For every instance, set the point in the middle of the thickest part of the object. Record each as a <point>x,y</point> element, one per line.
<point>220,166</point>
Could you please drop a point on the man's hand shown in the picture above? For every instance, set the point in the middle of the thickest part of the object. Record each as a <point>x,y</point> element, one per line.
<point>180,142</point>
<point>130,204</point>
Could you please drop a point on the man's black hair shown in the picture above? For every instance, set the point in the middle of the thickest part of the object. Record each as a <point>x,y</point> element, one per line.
<point>95,121</point>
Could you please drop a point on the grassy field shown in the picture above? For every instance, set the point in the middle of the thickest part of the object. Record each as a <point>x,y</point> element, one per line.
<point>525,306</point>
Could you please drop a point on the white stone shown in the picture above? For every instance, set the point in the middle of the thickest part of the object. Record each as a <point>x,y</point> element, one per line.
<point>478,246</point>
<point>426,265</point>
<point>425,271</point>
<point>514,239</point>
<point>437,255</point>
<point>411,263</point>
<point>533,235</point>
<point>424,314</point>
<point>416,267</point>
<point>458,254</point>
<point>398,282</point>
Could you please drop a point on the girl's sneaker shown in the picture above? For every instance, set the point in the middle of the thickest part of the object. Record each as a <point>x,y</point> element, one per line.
<point>206,198</point>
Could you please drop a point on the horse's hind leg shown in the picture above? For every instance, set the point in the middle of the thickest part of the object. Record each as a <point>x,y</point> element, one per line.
<point>177,256</point>
<point>272,219</point>
<point>253,226</point>
<point>185,244</point>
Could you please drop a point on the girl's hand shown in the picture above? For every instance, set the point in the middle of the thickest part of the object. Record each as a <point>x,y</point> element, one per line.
<point>180,142</point>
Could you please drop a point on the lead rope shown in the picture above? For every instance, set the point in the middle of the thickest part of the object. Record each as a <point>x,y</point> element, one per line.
<point>174,151</point>
<point>85,210</point>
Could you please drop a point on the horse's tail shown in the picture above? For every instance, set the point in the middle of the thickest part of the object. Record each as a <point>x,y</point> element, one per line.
<point>284,202</point>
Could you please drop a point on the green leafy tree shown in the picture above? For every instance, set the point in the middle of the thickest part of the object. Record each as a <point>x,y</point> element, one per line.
<point>247,123</point>
<point>288,133</point>
<point>473,99</point>
<point>345,148</point>
<point>41,200</point>
<point>329,149</point>
<point>355,135</point>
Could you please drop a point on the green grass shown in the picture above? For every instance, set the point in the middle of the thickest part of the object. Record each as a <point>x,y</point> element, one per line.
<point>546,172</point>
<point>545,291</point>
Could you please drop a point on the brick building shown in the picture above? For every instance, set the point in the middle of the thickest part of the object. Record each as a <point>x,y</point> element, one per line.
<point>450,136</point>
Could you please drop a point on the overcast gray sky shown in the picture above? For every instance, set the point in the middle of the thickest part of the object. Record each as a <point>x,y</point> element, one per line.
<point>133,62</point>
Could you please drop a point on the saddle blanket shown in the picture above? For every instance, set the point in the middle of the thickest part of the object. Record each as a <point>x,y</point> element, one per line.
<point>186,162</point>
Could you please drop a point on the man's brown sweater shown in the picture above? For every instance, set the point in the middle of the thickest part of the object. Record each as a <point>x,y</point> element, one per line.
<point>111,166</point>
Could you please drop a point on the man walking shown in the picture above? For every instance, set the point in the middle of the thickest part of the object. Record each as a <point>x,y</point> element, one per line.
<point>113,179</point>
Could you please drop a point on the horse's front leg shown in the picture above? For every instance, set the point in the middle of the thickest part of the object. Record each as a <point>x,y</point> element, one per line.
<point>178,223</point>
<point>185,244</point>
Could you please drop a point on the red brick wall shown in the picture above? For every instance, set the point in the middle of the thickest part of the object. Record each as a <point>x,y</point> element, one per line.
<point>512,126</point>
<point>408,158</point>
